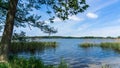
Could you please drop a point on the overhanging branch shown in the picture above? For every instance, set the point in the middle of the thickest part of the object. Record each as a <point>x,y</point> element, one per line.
<point>3,7</point>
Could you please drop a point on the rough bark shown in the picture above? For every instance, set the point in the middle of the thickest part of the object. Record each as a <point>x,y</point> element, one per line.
<point>7,34</point>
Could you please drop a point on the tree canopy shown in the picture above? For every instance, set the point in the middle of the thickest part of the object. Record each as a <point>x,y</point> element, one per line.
<point>54,8</point>
<point>17,13</point>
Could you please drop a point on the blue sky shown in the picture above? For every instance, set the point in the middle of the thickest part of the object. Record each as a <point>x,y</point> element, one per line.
<point>102,18</point>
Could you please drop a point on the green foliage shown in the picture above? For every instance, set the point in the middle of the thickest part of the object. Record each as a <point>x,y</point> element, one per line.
<point>20,37</point>
<point>4,4</point>
<point>64,8</point>
<point>15,62</point>
<point>3,12</point>
<point>23,63</point>
<point>55,8</point>
<point>49,30</point>
<point>3,65</point>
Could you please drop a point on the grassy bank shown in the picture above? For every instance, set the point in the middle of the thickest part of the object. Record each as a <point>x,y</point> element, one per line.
<point>31,46</point>
<point>29,63</point>
<point>111,45</point>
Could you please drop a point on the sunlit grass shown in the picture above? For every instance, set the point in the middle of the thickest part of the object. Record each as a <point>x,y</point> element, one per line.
<point>29,63</point>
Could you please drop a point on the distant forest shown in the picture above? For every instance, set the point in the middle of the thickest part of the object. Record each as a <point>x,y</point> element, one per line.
<point>70,37</point>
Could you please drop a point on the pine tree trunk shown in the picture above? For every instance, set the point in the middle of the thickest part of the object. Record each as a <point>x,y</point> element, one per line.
<point>7,34</point>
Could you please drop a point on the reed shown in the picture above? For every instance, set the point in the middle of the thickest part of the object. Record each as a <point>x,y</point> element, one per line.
<point>31,46</point>
<point>62,64</point>
<point>86,45</point>
<point>111,45</point>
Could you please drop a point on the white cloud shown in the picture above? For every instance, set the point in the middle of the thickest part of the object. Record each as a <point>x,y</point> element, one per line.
<point>57,20</point>
<point>75,18</point>
<point>47,22</point>
<point>92,15</point>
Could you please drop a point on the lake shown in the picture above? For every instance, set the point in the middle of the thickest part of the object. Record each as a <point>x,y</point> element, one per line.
<point>77,57</point>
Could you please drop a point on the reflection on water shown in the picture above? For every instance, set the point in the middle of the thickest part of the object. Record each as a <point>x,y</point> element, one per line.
<point>77,57</point>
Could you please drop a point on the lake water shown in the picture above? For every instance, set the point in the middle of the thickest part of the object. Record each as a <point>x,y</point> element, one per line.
<point>77,57</point>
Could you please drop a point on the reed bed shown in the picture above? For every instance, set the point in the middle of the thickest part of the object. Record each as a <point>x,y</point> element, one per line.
<point>31,46</point>
<point>86,45</point>
<point>111,45</point>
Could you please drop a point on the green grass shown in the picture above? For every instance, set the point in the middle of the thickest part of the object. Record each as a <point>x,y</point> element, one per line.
<point>4,65</point>
<point>31,46</point>
<point>29,63</point>
<point>111,45</point>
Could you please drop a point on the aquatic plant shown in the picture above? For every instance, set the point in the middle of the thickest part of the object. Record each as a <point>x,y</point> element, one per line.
<point>106,66</point>
<point>111,45</point>
<point>31,46</point>
<point>86,45</point>
<point>62,64</point>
